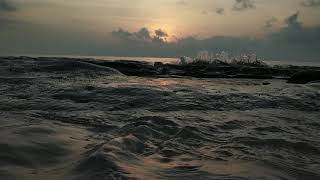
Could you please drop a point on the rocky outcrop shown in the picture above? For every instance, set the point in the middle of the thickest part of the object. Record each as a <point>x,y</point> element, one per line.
<point>25,66</point>
<point>295,74</point>
<point>129,68</point>
<point>305,77</point>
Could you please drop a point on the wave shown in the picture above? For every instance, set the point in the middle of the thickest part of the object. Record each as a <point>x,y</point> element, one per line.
<point>72,120</point>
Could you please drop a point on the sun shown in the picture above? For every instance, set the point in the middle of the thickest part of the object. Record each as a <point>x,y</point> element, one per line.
<point>168,29</point>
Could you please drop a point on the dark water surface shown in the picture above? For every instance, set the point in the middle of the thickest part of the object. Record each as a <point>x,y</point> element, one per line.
<point>61,121</point>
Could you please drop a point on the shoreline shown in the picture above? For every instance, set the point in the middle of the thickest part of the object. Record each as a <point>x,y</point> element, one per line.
<point>170,60</point>
<point>292,73</point>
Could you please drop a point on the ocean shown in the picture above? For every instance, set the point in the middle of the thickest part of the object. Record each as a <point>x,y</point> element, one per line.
<point>72,122</point>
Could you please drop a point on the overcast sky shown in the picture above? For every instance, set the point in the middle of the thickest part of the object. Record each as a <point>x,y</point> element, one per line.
<point>275,29</point>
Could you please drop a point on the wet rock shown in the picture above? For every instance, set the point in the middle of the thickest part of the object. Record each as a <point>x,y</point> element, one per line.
<point>89,88</point>
<point>31,66</point>
<point>201,70</point>
<point>305,77</point>
<point>252,76</point>
<point>262,71</point>
<point>157,64</point>
<point>130,68</point>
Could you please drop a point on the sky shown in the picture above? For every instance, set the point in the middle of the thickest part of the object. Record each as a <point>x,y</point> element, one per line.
<point>285,29</point>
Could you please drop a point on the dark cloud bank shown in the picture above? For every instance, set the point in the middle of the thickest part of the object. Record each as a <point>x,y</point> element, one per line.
<point>6,5</point>
<point>310,3</point>
<point>294,41</point>
<point>241,5</point>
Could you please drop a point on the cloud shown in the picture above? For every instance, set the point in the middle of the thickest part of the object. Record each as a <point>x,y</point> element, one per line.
<point>292,42</point>
<point>182,3</point>
<point>204,12</point>
<point>241,5</point>
<point>270,23</point>
<point>141,36</point>
<point>292,21</point>
<point>220,11</point>
<point>310,3</point>
<point>295,40</point>
<point>7,6</point>
<point>4,21</point>
<point>160,33</point>
<point>15,38</point>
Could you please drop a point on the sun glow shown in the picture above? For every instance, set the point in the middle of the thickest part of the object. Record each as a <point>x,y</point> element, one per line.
<point>168,29</point>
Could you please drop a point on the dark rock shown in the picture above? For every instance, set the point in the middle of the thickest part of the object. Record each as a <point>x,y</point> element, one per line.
<point>252,76</point>
<point>265,83</point>
<point>158,64</point>
<point>69,66</point>
<point>130,68</point>
<point>305,77</point>
<point>89,88</point>
<point>90,67</point>
<point>256,70</point>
